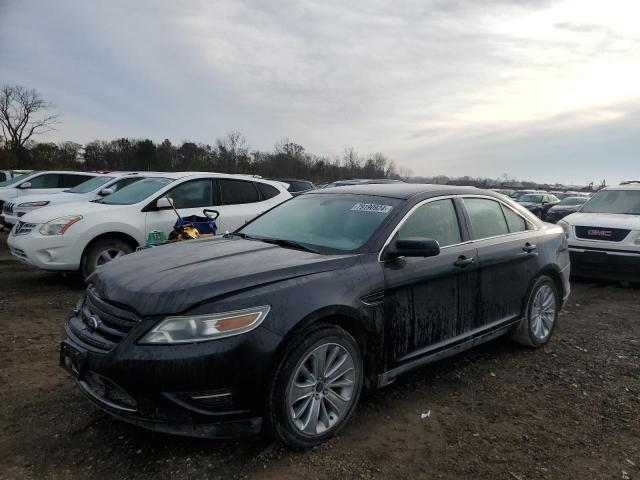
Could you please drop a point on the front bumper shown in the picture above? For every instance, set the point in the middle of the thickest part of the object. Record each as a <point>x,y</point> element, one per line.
<point>55,252</point>
<point>211,389</point>
<point>605,264</point>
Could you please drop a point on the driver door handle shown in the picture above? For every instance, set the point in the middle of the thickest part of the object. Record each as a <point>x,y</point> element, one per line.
<point>530,247</point>
<point>464,261</point>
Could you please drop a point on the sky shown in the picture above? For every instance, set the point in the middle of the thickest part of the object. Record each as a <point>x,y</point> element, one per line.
<point>543,90</point>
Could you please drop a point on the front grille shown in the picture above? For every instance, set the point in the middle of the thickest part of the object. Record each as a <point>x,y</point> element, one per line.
<point>23,228</point>
<point>602,233</point>
<point>7,208</point>
<point>100,325</point>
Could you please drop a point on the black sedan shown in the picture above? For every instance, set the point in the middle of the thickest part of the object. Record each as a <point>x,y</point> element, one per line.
<point>280,325</point>
<point>567,206</point>
<point>538,203</point>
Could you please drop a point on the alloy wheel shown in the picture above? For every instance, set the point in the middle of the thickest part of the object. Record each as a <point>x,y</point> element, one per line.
<point>107,255</point>
<point>321,390</point>
<point>543,312</point>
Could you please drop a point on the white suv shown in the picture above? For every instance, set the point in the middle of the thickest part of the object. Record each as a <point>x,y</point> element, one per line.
<point>83,235</point>
<point>604,235</point>
<point>40,183</point>
<point>93,189</point>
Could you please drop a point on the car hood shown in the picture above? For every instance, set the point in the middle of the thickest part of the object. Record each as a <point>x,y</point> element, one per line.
<point>48,213</point>
<point>604,220</point>
<point>53,198</point>
<point>173,278</point>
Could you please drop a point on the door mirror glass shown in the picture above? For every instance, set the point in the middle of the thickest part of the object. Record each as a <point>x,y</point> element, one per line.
<point>163,203</point>
<point>25,185</point>
<point>106,191</point>
<point>414,247</point>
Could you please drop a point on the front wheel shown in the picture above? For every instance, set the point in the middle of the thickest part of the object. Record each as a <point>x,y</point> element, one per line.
<point>101,252</point>
<point>316,388</point>
<point>541,313</point>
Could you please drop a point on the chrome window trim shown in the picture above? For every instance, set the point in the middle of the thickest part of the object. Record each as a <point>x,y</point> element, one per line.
<point>468,242</point>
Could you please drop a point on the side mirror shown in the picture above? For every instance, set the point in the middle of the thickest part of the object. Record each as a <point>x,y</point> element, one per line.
<point>413,247</point>
<point>106,191</point>
<point>163,203</point>
<point>25,185</point>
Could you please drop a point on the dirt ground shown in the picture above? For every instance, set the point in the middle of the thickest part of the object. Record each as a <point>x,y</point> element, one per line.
<point>569,410</point>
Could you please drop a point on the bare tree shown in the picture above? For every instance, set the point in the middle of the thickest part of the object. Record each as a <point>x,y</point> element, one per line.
<point>23,114</point>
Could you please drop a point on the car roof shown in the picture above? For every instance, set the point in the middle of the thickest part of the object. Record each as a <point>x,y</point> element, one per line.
<point>404,190</point>
<point>626,186</point>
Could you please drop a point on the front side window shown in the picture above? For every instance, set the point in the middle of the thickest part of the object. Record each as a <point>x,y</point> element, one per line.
<point>330,223</point>
<point>90,185</point>
<point>235,192</point>
<point>487,219</point>
<point>120,184</point>
<point>70,180</point>
<point>47,180</point>
<point>136,192</point>
<point>192,194</point>
<point>436,220</point>
<point>614,201</point>
<point>531,198</point>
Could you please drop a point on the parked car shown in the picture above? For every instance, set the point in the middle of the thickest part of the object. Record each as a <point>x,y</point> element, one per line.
<point>604,236</point>
<point>361,181</point>
<point>84,235</point>
<point>295,185</point>
<point>538,203</point>
<point>41,183</point>
<point>518,193</point>
<point>94,188</point>
<point>566,206</point>
<point>281,323</point>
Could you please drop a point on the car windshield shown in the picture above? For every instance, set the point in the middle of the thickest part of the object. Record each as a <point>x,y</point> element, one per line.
<point>328,223</point>
<point>614,201</point>
<point>573,201</point>
<point>531,198</point>
<point>13,180</point>
<point>90,185</point>
<point>136,192</point>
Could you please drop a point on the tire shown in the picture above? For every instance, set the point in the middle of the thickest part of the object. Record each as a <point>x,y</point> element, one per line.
<point>96,254</point>
<point>541,314</point>
<point>328,399</point>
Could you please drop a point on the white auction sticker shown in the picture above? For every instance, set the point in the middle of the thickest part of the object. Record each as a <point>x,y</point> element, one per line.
<point>371,207</point>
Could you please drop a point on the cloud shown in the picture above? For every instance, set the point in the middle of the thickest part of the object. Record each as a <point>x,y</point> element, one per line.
<point>419,79</point>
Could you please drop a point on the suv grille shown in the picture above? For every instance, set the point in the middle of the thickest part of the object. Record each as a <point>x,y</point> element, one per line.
<point>23,228</point>
<point>601,233</point>
<point>99,325</point>
<point>7,208</point>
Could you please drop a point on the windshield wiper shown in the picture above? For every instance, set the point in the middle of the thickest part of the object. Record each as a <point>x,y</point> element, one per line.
<point>288,243</point>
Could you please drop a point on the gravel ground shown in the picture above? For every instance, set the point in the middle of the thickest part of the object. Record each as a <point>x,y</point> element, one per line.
<point>569,410</point>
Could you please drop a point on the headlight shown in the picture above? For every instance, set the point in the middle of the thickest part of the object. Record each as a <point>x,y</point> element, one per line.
<point>58,226</point>
<point>200,328</point>
<point>566,227</point>
<point>34,204</point>
<point>637,241</point>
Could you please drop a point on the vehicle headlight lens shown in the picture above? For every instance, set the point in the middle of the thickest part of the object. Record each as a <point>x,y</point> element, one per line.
<point>201,328</point>
<point>34,204</point>
<point>58,226</point>
<point>566,227</point>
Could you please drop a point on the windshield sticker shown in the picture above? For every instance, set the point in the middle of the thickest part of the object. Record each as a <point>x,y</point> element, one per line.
<point>371,207</point>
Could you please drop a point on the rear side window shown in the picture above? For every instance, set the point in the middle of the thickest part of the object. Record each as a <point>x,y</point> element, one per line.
<point>437,220</point>
<point>267,190</point>
<point>487,219</point>
<point>192,194</point>
<point>514,221</point>
<point>48,180</point>
<point>236,192</point>
<point>70,181</point>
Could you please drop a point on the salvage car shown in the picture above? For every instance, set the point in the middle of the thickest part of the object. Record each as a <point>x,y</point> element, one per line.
<point>280,324</point>
<point>604,236</point>
<point>84,235</point>
<point>538,203</point>
<point>567,206</point>
<point>92,189</point>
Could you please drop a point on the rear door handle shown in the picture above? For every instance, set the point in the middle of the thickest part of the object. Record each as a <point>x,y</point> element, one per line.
<point>530,247</point>
<point>464,261</point>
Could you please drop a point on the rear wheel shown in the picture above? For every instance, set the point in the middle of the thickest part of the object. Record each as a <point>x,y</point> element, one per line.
<point>316,388</point>
<point>102,252</point>
<point>541,313</point>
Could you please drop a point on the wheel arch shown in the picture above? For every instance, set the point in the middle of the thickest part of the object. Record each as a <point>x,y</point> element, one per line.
<point>113,234</point>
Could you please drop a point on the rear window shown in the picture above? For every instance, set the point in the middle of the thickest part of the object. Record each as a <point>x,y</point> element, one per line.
<point>235,192</point>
